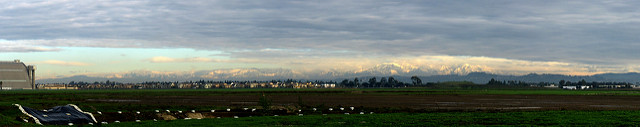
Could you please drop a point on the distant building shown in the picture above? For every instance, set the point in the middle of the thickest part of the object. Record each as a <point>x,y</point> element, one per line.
<point>16,75</point>
<point>551,86</point>
<point>576,87</point>
<point>570,87</point>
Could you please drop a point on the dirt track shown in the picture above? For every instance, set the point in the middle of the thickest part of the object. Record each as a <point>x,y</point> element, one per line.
<point>419,102</point>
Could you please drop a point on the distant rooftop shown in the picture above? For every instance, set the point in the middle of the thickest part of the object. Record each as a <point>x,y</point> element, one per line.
<point>14,61</point>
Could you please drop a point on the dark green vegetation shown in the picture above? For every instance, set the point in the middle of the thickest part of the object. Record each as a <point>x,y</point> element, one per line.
<point>540,118</point>
<point>43,99</point>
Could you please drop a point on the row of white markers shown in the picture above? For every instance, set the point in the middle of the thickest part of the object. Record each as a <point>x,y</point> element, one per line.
<point>228,110</point>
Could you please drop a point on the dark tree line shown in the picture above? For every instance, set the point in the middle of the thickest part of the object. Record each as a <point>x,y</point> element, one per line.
<point>562,83</point>
<point>373,82</point>
<point>516,83</point>
<point>596,84</point>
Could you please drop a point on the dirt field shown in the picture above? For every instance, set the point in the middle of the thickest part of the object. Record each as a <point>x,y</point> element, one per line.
<point>419,102</point>
<point>365,103</point>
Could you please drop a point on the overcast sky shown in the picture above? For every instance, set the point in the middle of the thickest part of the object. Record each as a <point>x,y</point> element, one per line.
<point>67,37</point>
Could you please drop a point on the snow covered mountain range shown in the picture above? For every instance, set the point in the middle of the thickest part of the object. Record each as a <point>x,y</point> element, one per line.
<point>466,72</point>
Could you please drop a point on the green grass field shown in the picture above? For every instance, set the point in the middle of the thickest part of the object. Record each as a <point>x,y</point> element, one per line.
<point>133,92</point>
<point>539,118</point>
<point>42,99</point>
<point>46,98</point>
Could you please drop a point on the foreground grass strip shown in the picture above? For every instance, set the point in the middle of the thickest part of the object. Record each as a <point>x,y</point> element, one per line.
<point>542,118</point>
<point>201,92</point>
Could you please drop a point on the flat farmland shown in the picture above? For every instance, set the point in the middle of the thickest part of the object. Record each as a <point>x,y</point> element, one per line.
<point>418,99</point>
<point>302,101</point>
<point>427,102</point>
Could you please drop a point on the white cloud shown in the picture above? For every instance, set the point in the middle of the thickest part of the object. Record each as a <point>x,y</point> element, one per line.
<point>162,59</point>
<point>14,46</point>
<point>64,63</point>
<point>6,48</point>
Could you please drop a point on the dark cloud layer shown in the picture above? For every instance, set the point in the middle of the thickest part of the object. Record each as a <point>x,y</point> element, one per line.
<point>591,32</point>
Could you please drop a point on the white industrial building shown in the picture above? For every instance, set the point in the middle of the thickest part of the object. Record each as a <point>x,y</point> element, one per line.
<point>16,75</point>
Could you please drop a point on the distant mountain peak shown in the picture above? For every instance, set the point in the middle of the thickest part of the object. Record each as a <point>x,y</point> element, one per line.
<point>390,69</point>
<point>469,72</point>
